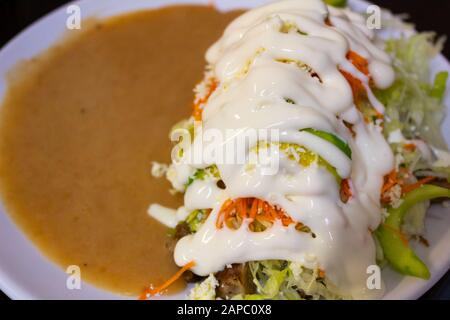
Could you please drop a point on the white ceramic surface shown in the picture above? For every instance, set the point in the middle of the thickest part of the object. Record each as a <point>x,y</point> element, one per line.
<point>26,274</point>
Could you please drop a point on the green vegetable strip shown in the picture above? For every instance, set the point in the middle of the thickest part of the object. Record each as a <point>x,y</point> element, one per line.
<point>199,174</point>
<point>401,257</point>
<point>194,220</point>
<point>440,82</point>
<point>337,3</point>
<point>336,141</point>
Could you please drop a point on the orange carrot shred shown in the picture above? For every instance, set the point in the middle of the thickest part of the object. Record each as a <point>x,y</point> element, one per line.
<point>198,110</point>
<point>358,89</point>
<point>239,209</point>
<point>359,62</point>
<point>389,181</point>
<point>409,147</point>
<point>273,213</point>
<point>418,184</point>
<point>263,218</point>
<point>254,209</point>
<point>220,216</point>
<point>345,191</point>
<point>260,206</point>
<point>321,273</point>
<point>152,292</point>
<point>286,221</point>
<point>244,206</point>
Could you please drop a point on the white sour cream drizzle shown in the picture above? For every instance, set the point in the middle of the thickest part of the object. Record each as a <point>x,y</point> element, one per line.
<point>253,86</point>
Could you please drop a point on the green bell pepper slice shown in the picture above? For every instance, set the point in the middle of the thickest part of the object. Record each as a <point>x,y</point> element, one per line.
<point>396,249</point>
<point>337,3</point>
<point>333,139</point>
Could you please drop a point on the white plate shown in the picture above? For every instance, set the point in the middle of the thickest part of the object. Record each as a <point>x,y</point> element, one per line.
<point>26,274</point>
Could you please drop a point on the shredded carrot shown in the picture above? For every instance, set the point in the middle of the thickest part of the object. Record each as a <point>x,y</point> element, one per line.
<point>264,218</point>
<point>252,209</point>
<point>345,191</point>
<point>358,89</point>
<point>359,62</point>
<point>260,206</point>
<point>151,292</point>
<point>409,147</point>
<point>198,105</point>
<point>360,96</point>
<point>321,273</point>
<point>248,206</point>
<point>410,187</point>
<point>227,214</point>
<point>220,216</point>
<point>286,221</point>
<point>266,209</point>
<point>219,221</point>
<point>272,212</point>
<point>389,181</point>
<point>243,208</point>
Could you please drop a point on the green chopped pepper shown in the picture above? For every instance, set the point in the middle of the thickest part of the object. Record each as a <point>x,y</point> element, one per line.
<point>335,140</point>
<point>395,247</point>
<point>337,3</point>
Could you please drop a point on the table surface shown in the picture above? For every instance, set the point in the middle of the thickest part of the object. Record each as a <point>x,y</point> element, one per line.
<point>428,15</point>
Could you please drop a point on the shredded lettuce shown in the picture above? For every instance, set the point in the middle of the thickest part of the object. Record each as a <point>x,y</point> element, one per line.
<point>196,218</point>
<point>205,290</point>
<point>283,280</point>
<point>440,82</point>
<point>201,174</point>
<point>413,105</point>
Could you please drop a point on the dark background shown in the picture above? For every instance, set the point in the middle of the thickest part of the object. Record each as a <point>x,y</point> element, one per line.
<point>427,15</point>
